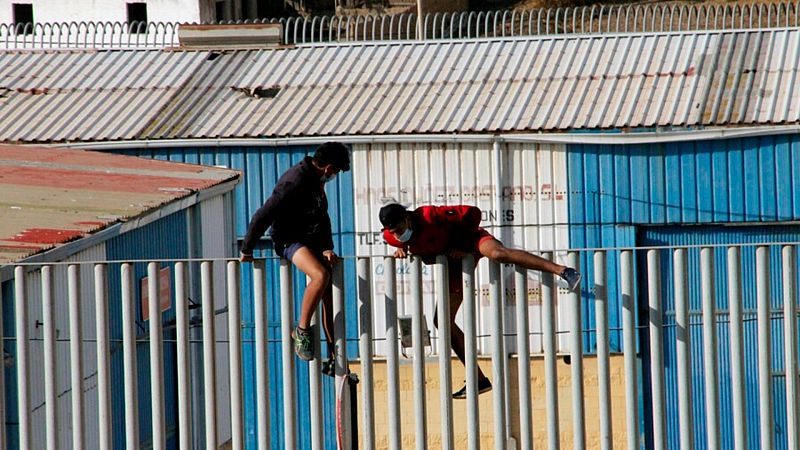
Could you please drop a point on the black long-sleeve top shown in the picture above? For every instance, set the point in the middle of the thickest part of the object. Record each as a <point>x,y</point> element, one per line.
<point>297,210</point>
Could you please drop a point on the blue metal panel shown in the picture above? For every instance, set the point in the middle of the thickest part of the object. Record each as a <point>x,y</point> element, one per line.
<point>262,166</point>
<point>163,239</point>
<point>715,235</point>
<point>11,426</point>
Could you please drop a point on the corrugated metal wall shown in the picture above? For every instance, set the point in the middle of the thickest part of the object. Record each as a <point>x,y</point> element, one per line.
<point>529,211</point>
<point>262,166</point>
<point>627,195</point>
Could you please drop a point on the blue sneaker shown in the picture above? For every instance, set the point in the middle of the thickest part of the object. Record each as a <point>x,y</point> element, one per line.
<point>572,277</point>
<point>303,344</point>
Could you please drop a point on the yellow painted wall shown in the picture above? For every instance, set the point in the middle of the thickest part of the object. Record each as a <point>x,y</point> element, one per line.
<point>409,415</point>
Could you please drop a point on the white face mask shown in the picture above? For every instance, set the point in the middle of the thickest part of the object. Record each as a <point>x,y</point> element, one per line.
<point>406,236</point>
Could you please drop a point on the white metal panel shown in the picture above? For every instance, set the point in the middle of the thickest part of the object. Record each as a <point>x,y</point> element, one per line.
<point>532,214</point>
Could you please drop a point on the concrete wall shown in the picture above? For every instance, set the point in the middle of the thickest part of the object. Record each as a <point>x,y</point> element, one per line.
<point>108,10</point>
<point>408,413</point>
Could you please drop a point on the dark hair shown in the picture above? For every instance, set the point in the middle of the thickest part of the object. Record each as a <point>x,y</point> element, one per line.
<point>392,214</point>
<point>333,153</point>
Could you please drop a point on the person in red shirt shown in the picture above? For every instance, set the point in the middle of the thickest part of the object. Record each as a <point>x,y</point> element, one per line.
<point>455,231</point>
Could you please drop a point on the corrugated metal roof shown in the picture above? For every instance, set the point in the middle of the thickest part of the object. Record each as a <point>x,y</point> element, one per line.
<point>52,196</point>
<point>554,83</point>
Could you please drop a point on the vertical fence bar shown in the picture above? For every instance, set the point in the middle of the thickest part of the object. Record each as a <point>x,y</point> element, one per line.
<point>392,364</point>
<point>129,358</point>
<point>790,341</point>
<point>498,354</point>
<point>262,353</point>
<point>417,337</point>
<point>629,348</point>
<point>576,361</point>
<point>75,353</point>
<point>103,352</point>
<point>182,347</point>
<point>315,384</point>
<point>209,353</point>
<point>737,348</point>
<point>445,369</point>
<point>50,375</point>
<point>235,351</point>
<point>470,353</point>
<point>156,357</point>
<point>763,298</point>
<point>363,269</point>
<point>550,369</point>
<point>683,348</point>
<point>656,342</point>
<point>710,345</point>
<point>3,440</point>
<point>289,388</point>
<point>603,363</point>
<point>523,357</point>
<point>342,370</point>
<point>21,316</point>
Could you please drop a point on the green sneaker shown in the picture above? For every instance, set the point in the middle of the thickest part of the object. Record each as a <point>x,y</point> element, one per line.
<point>303,344</point>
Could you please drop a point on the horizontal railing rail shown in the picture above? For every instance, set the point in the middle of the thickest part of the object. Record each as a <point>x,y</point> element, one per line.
<point>631,18</point>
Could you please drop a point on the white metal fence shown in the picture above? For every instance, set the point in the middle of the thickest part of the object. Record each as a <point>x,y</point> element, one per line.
<point>651,17</point>
<point>40,431</point>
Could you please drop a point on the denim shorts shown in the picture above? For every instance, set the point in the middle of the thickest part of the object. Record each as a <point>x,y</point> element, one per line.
<point>287,251</point>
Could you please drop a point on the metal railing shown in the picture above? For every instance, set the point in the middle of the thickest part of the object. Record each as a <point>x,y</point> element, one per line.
<point>460,25</point>
<point>593,304</point>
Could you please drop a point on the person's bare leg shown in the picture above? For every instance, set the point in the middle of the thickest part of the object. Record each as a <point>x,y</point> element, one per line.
<point>327,317</point>
<point>456,334</point>
<point>320,277</point>
<point>496,251</point>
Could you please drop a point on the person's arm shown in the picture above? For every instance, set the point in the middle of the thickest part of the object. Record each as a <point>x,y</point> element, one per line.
<point>265,215</point>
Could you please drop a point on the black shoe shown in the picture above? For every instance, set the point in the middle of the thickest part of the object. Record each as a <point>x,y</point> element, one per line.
<point>329,367</point>
<point>484,385</point>
<point>572,277</point>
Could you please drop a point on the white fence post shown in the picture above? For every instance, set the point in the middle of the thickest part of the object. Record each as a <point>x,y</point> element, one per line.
<point>763,299</point>
<point>549,294</point>
<point>289,394</point>
<point>156,356</point>
<point>683,348</point>
<point>129,357</point>
<point>417,337</point>
<point>76,354</point>
<point>629,348</point>
<point>656,342</point>
<point>182,354</point>
<point>262,353</point>
<point>209,354</point>
<point>392,364</point>
<point>50,366</point>
<point>103,353</point>
<point>470,353</point>
<point>363,267</point>
<point>442,290</point>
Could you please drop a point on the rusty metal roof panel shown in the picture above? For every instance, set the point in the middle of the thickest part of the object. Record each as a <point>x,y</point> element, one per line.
<point>52,196</point>
<point>519,84</point>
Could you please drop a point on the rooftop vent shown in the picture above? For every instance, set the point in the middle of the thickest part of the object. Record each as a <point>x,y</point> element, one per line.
<point>248,35</point>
